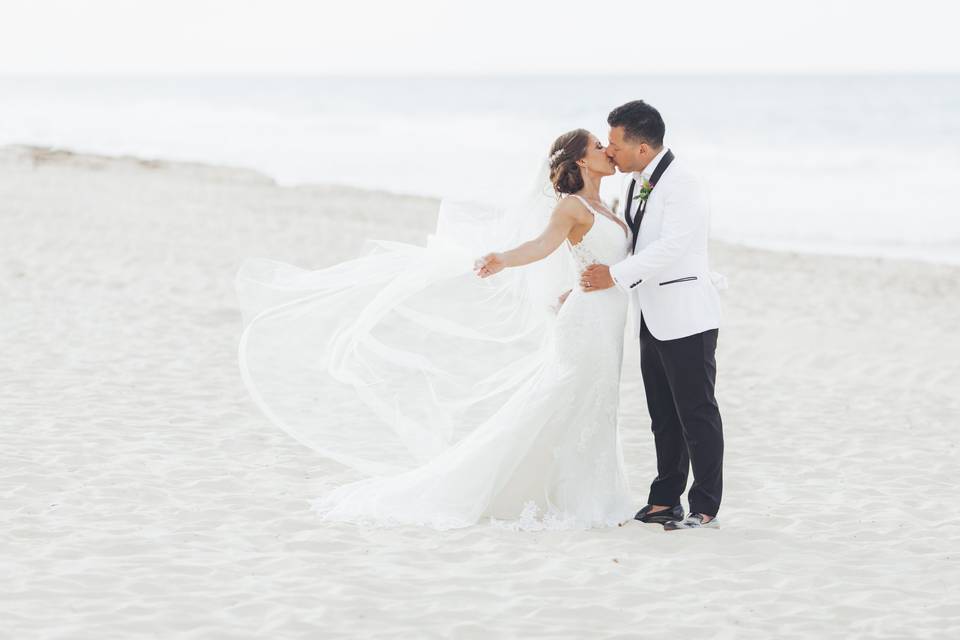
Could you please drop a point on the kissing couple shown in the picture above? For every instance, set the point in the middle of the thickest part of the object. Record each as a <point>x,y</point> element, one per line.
<point>451,394</point>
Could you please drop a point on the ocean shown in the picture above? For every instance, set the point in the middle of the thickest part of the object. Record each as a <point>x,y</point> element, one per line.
<point>864,165</point>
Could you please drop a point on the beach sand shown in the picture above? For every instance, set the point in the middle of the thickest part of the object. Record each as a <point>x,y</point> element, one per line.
<point>144,495</point>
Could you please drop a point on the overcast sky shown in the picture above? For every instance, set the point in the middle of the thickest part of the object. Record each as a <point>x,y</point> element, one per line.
<point>480,36</point>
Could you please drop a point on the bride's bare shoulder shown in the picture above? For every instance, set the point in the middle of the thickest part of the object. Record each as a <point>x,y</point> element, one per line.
<point>571,207</point>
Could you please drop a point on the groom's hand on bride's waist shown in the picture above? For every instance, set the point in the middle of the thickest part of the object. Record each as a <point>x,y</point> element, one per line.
<point>596,277</point>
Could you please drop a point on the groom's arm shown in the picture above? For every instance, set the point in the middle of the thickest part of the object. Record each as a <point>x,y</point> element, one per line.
<point>685,211</point>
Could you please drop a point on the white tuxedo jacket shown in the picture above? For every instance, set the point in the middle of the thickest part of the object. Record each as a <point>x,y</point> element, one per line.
<point>668,276</point>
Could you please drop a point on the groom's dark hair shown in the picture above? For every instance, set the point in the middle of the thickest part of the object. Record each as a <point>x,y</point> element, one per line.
<point>640,122</point>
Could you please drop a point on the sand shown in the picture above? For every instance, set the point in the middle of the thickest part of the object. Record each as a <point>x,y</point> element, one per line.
<point>145,496</point>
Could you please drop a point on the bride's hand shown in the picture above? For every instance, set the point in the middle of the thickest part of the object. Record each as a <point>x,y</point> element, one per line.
<point>489,265</point>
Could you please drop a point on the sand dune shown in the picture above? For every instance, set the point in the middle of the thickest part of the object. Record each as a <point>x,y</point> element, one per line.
<point>145,496</point>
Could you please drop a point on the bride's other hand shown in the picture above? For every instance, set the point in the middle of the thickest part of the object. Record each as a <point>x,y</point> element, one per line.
<point>563,298</point>
<point>489,265</point>
<point>596,277</point>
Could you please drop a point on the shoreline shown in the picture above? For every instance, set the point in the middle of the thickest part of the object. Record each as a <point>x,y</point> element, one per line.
<point>40,154</point>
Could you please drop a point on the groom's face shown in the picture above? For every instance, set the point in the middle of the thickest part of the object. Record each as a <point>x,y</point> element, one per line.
<point>628,155</point>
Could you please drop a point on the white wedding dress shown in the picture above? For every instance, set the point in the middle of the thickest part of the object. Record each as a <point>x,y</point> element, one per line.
<point>458,403</point>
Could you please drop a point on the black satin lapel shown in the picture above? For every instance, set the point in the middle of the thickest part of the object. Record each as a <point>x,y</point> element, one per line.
<point>654,179</point>
<point>664,163</point>
<point>626,211</point>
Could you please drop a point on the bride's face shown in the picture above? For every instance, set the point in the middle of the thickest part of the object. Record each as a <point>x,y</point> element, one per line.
<point>597,160</point>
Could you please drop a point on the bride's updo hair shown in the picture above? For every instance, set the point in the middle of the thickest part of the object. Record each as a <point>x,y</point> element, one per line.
<point>566,150</point>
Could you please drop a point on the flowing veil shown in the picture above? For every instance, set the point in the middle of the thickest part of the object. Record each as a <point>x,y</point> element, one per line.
<point>384,361</point>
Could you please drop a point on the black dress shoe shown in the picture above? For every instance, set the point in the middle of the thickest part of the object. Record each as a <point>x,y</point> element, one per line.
<point>660,517</point>
<point>692,521</point>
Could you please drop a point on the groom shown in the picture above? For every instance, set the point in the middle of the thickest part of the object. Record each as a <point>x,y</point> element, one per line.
<point>676,315</point>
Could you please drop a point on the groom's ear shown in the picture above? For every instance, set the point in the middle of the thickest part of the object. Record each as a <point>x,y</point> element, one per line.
<point>639,152</point>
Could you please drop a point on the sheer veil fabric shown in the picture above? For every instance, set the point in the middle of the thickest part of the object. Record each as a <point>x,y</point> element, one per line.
<point>460,399</point>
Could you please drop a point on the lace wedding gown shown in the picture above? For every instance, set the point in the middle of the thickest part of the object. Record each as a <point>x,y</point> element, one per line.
<point>510,420</point>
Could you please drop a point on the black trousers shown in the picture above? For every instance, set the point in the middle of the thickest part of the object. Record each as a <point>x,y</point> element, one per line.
<point>679,377</point>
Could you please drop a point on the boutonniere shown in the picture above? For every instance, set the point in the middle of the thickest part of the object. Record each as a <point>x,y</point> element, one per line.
<point>645,189</point>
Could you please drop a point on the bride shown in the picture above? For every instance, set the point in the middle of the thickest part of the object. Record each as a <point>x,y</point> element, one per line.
<point>450,384</point>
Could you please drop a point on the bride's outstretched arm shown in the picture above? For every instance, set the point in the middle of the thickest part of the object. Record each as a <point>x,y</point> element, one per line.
<point>562,220</point>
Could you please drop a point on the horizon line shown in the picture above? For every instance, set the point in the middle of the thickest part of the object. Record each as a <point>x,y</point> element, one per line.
<point>466,74</point>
